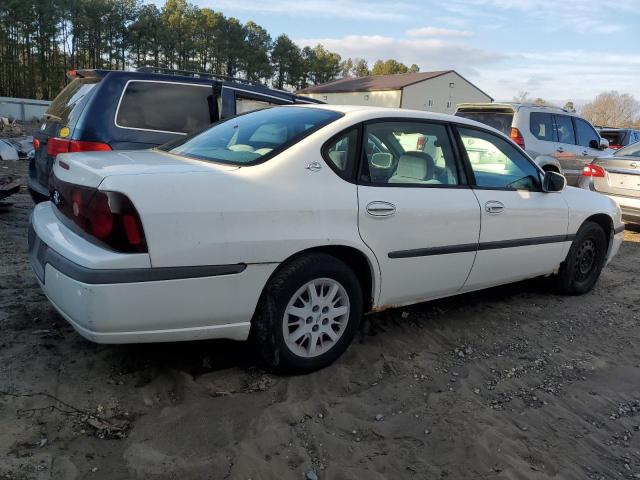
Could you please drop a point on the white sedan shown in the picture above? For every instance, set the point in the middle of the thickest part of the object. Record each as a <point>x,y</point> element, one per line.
<point>287,224</point>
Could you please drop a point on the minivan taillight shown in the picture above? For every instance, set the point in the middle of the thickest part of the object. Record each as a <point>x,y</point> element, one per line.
<point>56,145</point>
<point>593,171</point>
<point>517,137</point>
<point>106,216</point>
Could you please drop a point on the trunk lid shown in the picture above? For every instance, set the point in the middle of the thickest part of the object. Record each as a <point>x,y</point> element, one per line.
<point>622,177</point>
<point>90,168</point>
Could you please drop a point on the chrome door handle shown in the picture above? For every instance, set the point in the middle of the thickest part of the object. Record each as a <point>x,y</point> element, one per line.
<point>493,206</point>
<point>560,149</point>
<point>381,209</point>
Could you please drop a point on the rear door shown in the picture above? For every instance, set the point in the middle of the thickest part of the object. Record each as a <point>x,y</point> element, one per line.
<point>523,229</point>
<point>567,152</point>
<point>415,211</point>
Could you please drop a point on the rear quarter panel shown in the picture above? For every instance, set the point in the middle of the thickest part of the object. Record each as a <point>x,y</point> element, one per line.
<point>257,214</point>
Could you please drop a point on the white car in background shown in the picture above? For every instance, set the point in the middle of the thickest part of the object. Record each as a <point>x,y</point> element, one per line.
<point>7,151</point>
<point>289,223</point>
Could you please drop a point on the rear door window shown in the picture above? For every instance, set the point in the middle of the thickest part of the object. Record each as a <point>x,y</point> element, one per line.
<point>541,126</point>
<point>164,106</point>
<point>564,129</point>
<point>586,134</point>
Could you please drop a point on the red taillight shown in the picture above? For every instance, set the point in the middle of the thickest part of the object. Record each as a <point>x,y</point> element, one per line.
<point>82,146</point>
<point>420,143</point>
<point>593,171</point>
<point>517,137</point>
<point>107,216</point>
<point>57,145</point>
<point>36,144</point>
<point>615,147</point>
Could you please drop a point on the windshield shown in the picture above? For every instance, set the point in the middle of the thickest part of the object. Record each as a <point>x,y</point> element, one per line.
<point>60,110</point>
<point>629,151</point>
<point>498,120</point>
<point>255,136</point>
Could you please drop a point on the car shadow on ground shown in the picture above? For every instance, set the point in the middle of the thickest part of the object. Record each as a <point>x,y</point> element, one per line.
<point>205,356</point>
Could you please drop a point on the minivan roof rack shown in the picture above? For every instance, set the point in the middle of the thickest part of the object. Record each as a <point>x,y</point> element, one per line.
<point>194,74</point>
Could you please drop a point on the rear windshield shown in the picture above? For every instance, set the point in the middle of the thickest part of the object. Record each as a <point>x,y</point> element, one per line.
<point>499,121</point>
<point>66,107</point>
<point>255,136</point>
<point>615,138</point>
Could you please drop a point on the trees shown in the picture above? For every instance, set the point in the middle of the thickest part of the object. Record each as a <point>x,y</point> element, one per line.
<point>390,67</point>
<point>40,40</point>
<point>613,109</point>
<point>356,67</point>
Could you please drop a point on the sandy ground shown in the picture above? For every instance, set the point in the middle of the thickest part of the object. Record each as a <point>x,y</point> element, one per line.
<point>514,382</point>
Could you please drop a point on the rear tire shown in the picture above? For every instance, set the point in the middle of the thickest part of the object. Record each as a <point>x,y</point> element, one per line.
<point>297,331</point>
<point>585,260</point>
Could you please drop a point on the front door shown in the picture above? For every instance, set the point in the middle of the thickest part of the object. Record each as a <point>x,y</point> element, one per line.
<point>415,212</point>
<point>588,143</point>
<point>524,230</point>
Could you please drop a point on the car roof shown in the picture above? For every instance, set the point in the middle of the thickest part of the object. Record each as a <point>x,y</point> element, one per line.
<point>364,113</point>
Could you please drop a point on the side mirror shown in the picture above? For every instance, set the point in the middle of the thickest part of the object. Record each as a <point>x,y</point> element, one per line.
<point>604,143</point>
<point>553,182</point>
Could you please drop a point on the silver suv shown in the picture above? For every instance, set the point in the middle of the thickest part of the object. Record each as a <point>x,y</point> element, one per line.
<point>555,138</point>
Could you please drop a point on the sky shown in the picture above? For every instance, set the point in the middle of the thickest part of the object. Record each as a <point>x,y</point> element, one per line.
<point>555,49</point>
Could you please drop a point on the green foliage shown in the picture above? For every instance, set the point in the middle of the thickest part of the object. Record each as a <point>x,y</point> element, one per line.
<point>391,67</point>
<point>356,67</point>
<point>40,40</point>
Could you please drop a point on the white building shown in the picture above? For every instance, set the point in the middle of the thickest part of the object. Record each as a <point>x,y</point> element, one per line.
<point>433,91</point>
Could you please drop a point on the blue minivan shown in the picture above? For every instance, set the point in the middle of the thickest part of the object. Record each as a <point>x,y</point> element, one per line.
<point>130,110</point>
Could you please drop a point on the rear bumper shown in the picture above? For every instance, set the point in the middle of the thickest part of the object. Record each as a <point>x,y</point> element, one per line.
<point>141,304</point>
<point>37,191</point>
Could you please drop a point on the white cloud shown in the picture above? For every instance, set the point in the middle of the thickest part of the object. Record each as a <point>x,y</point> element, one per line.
<point>428,53</point>
<point>437,32</point>
<point>345,9</point>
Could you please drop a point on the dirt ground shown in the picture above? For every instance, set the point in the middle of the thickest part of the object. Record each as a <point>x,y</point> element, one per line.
<point>513,382</point>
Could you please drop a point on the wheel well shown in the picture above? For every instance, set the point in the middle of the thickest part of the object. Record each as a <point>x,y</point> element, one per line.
<point>605,222</point>
<point>354,259</point>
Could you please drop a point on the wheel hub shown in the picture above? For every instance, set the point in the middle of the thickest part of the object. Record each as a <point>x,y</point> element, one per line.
<point>316,317</point>
<point>585,259</point>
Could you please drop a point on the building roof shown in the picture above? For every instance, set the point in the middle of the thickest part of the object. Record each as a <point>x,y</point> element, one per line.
<point>378,82</point>
<point>373,82</point>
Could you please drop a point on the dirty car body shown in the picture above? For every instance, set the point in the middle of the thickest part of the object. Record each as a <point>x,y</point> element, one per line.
<point>293,221</point>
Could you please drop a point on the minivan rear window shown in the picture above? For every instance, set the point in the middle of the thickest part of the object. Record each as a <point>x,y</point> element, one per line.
<point>165,106</point>
<point>498,120</point>
<point>255,136</point>
<point>66,107</point>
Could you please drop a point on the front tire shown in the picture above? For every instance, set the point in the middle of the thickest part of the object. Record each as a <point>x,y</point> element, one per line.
<point>308,314</point>
<point>585,260</point>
